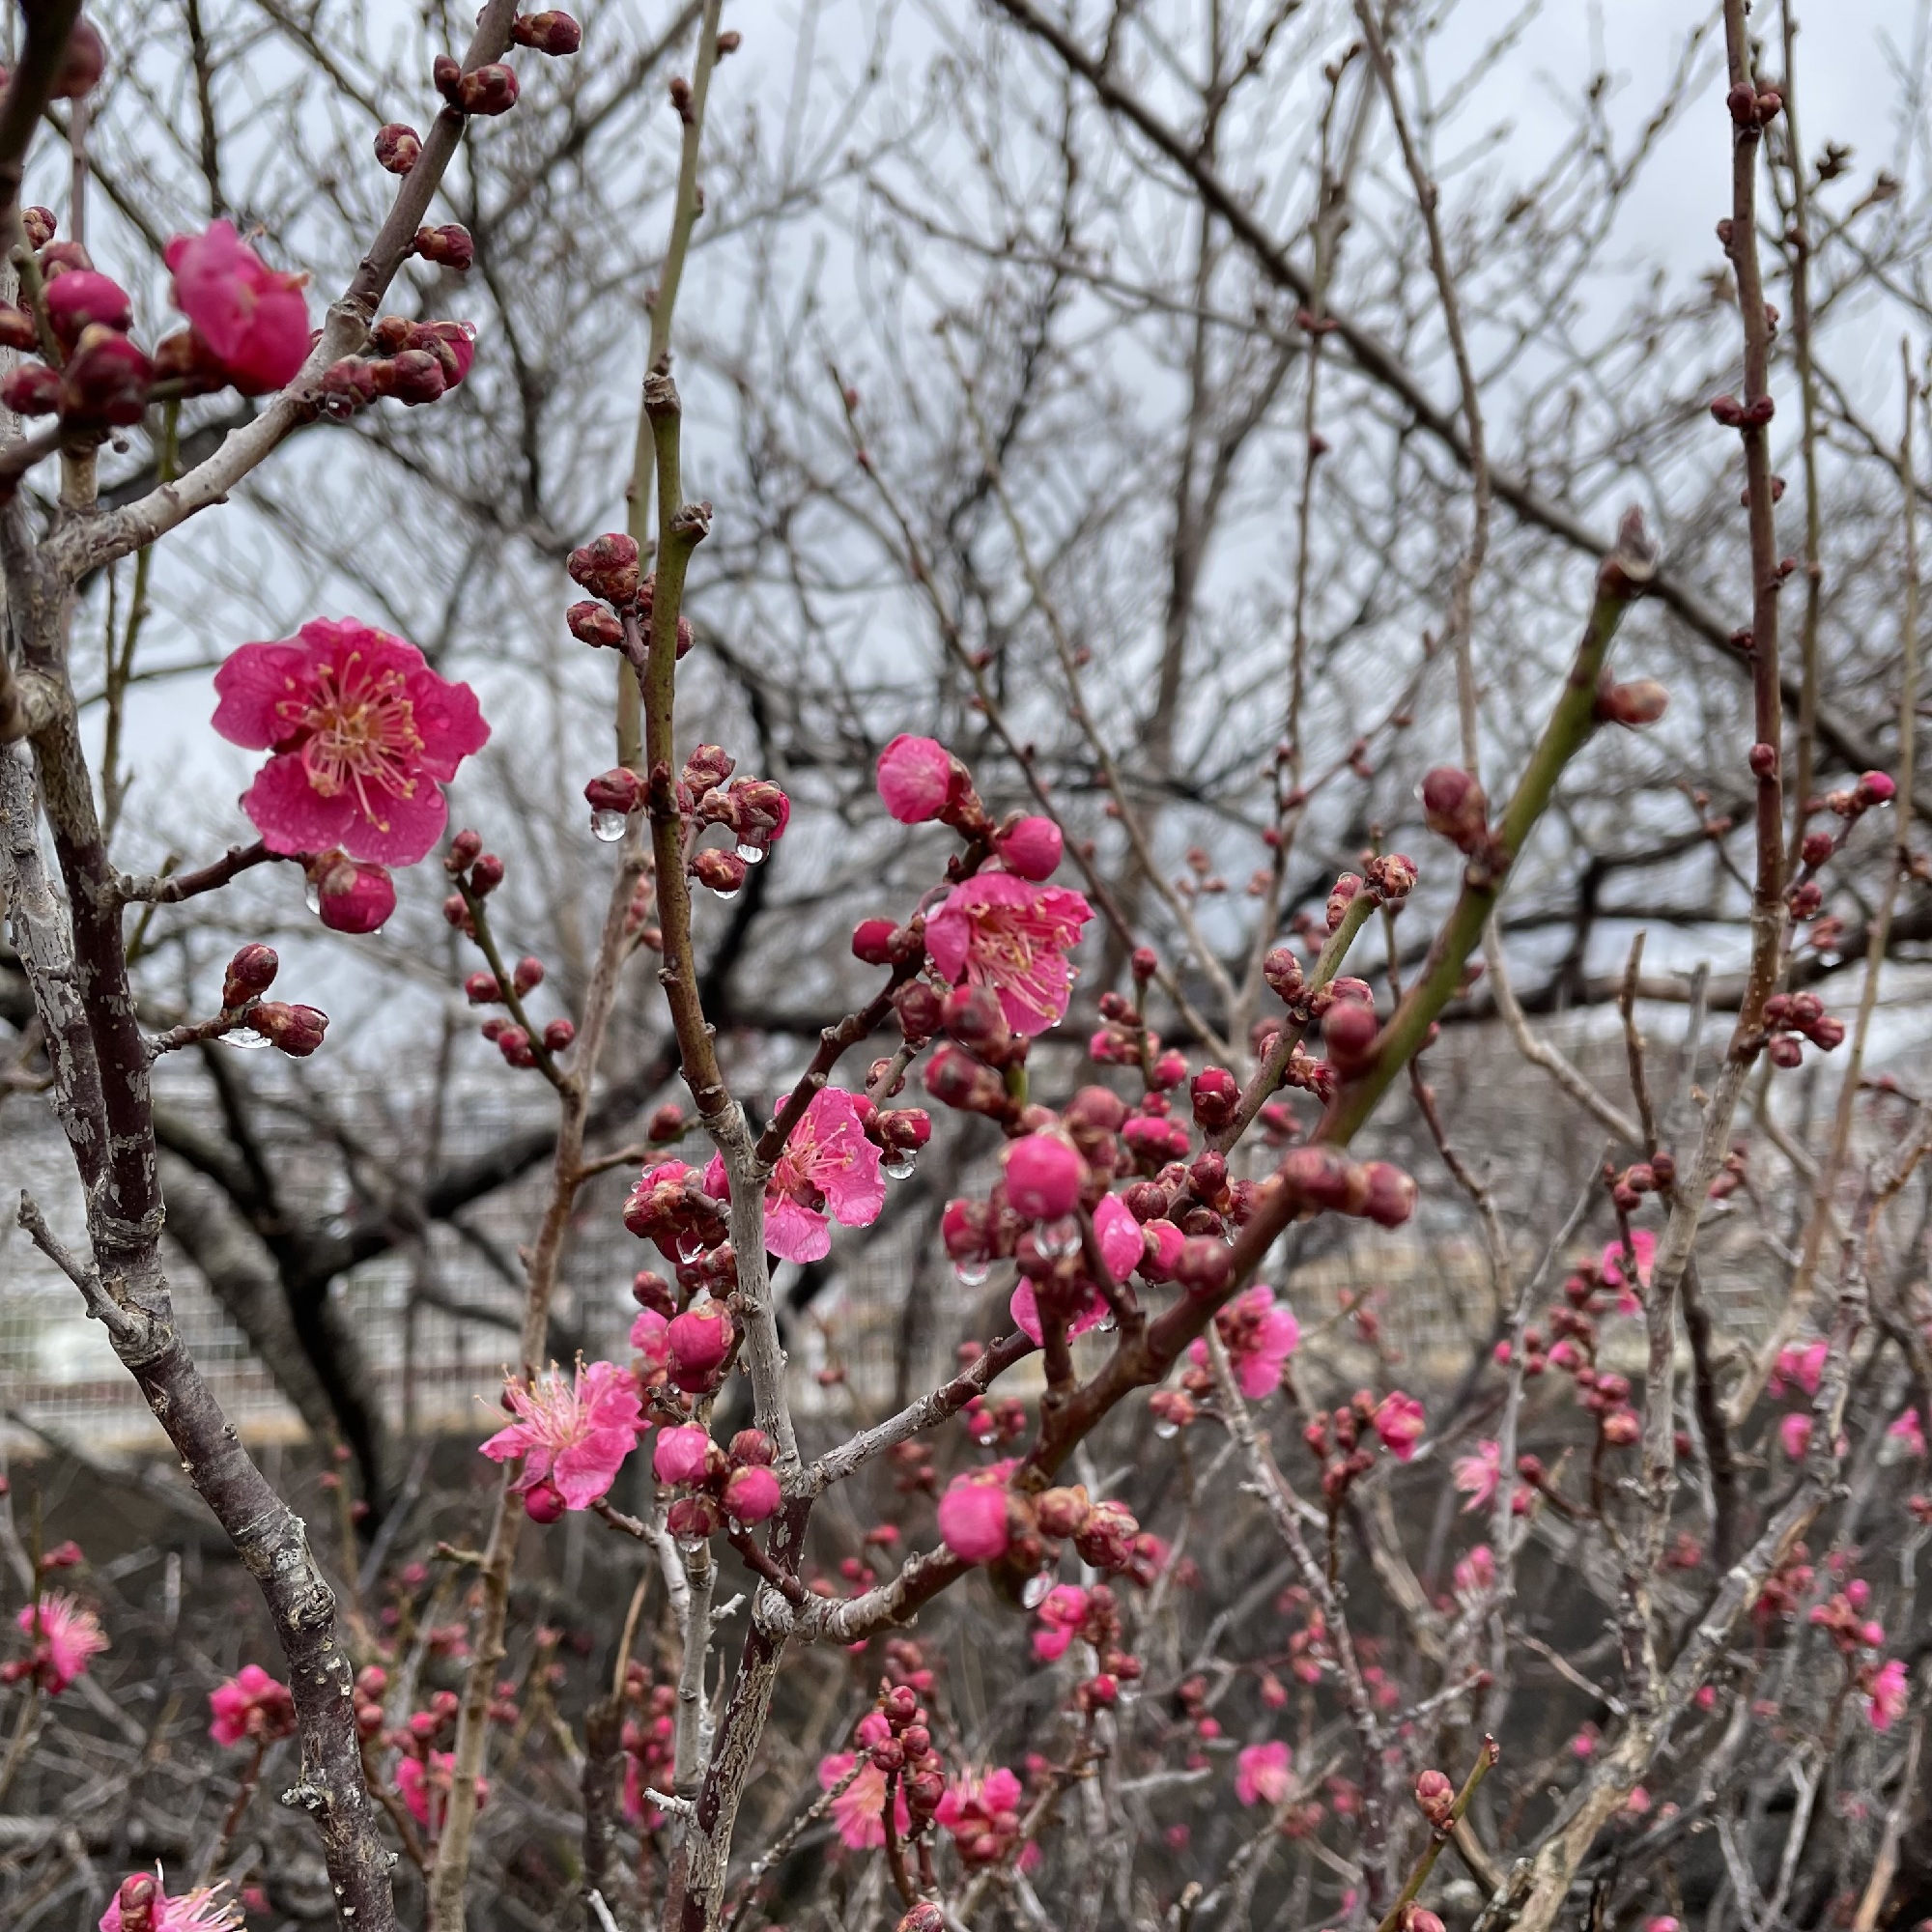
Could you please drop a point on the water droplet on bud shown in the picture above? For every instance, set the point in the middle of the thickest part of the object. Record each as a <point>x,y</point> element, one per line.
<point>244,1040</point>
<point>608,827</point>
<point>1057,1240</point>
<point>312,894</point>
<point>1166,1429</point>
<point>972,1274</point>
<point>727,897</point>
<point>898,1163</point>
<point>753,855</point>
<point>1034,1594</point>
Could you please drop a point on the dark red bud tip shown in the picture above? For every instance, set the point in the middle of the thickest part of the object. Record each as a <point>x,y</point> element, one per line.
<point>297,1031</point>
<point>1144,964</point>
<point>490,89</point>
<point>548,33</point>
<point>873,941</point>
<point>1454,807</point>
<point>606,567</point>
<point>486,875</point>
<point>448,246</point>
<point>397,148</point>
<point>251,971</point>
<point>447,74</point>
<point>1741,102</point>
<point>1763,760</point>
<point>558,1035</point>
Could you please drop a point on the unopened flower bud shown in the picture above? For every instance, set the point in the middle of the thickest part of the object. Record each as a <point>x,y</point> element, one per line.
<point>1763,760</point>
<point>1876,788</point>
<point>1453,806</point>
<point>351,894</point>
<point>486,875</point>
<point>82,63</point>
<point>1391,1194</point>
<point>1816,848</point>
<point>1282,970</point>
<point>1348,1031</point>
<point>544,1504</point>
<point>620,789</point>
<point>397,148</point>
<point>699,1340</point>
<point>250,972</point>
<point>972,1015</point>
<point>448,246</point>
<point>514,1045</point>
<point>33,389</point>
<point>1642,702</point>
<point>751,1496</point>
<point>558,1035</point>
<point>606,567</point>
<point>1434,1797</point>
<point>462,851</point>
<point>1144,963</point>
<point>1205,1264</point>
<point>873,941</point>
<point>666,1124</point>
<point>39,225</point>
<point>297,1031</point>
<point>548,33</point>
<point>1216,1096</point>
<point>490,89</point>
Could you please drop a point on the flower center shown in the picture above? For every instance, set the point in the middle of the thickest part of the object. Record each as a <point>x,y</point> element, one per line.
<point>360,733</point>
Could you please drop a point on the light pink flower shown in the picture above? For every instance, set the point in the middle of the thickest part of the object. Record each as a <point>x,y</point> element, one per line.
<point>1122,1244</point>
<point>1476,1572</point>
<point>859,1809</point>
<point>572,1434</point>
<point>1032,848</point>
<point>254,319</point>
<point>1887,1695</point>
<point>1644,1247</point>
<point>364,737</point>
<point>202,1909</point>
<point>996,930</point>
<point>973,1514</point>
<point>1910,1431</point>
<point>1399,1423</point>
<point>65,1637</point>
<point>1793,1433</point>
<point>1024,1308</point>
<point>828,1163</point>
<point>915,778</point>
<point>982,1814</point>
<point>251,1706</point>
<point>1801,1368</point>
<point>1477,1475</point>
<point>1262,1773</point>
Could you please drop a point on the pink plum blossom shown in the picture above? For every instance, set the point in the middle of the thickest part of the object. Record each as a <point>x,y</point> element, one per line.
<point>1261,1333</point>
<point>1118,1234</point>
<point>1024,1308</point>
<point>859,1809</point>
<point>1910,1431</point>
<point>973,1514</point>
<point>827,1164</point>
<point>996,930</point>
<point>1477,1475</point>
<point>1886,1694</point>
<point>752,1494</point>
<point>364,737</point>
<point>1798,1368</point>
<point>680,1454</point>
<point>982,1814</point>
<point>1061,1611</point>
<point>1399,1422</point>
<point>573,1436</point>
<point>1476,1572</point>
<point>252,1707</point>
<point>65,1638</point>
<point>254,319</point>
<point>917,778</point>
<point>1262,1773</point>
<point>1044,1175</point>
<point>1793,1433</point>
<point>1643,1247</point>
<point>421,1786</point>
<point>202,1909</point>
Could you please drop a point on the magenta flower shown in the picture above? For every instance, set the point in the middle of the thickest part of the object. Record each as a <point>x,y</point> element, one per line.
<point>1118,1234</point>
<point>828,1163</point>
<point>1803,1368</point>
<point>973,1514</point>
<point>1024,1308</point>
<point>254,319</point>
<point>859,1809</point>
<point>252,1707</point>
<point>65,1637</point>
<point>1061,1611</point>
<point>996,930</point>
<point>917,779</point>
<point>1032,848</point>
<point>1793,1433</point>
<point>752,1494</point>
<point>1911,1432</point>
<point>680,1454</point>
<point>202,1909</point>
<point>1260,1334</point>
<point>1887,1695</point>
<point>573,1436</point>
<point>1643,1249</point>
<point>1043,1176</point>
<point>1477,1475</point>
<point>1399,1422</point>
<point>364,736</point>
<point>423,1787</point>
<point>982,1814</point>
<point>1261,1774</point>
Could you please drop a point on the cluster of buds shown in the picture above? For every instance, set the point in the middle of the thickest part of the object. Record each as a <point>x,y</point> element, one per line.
<point>718,1486</point>
<point>1789,1017</point>
<point>296,1031</point>
<point>753,812</point>
<point>1785,1589</point>
<point>649,1740</point>
<point>1843,1619</point>
<point>480,872</point>
<point>1123,1039</point>
<point>993,1421</point>
<point>487,90</point>
<point>1753,106</point>
<point>609,568</point>
<point>512,1040</point>
<point>691,1350</point>
<point>1344,1442</point>
<point>968,1070</point>
<point>1455,809</point>
<point>1731,1174</point>
<point>1574,1323</point>
<point>1658,1174</point>
<point>905,1754</point>
<point>1324,1178</point>
<point>1071,1615</point>
<point>668,1205</point>
<point>983,1519</point>
<point>93,375</point>
<point>1730,413</point>
<point>416,362</point>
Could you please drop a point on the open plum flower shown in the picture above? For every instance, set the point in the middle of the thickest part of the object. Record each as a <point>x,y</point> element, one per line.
<point>364,737</point>
<point>829,1165</point>
<point>996,930</point>
<point>860,1810</point>
<point>65,1637</point>
<point>140,1904</point>
<point>253,318</point>
<point>573,1436</point>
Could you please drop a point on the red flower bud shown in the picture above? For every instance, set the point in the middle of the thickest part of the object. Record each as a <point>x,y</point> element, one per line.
<point>1205,1264</point>
<point>606,567</point>
<point>1453,804</point>
<point>1816,848</point>
<point>251,971</point>
<point>490,89</point>
<point>1763,760</point>
<point>548,33</point>
<point>1282,970</point>
<point>558,1035</point>
<point>698,1341</point>
<point>1216,1096</point>
<point>397,148</point>
<point>297,1031</point>
<point>33,389</point>
<point>82,63</point>
<point>486,875</point>
<point>620,789</point>
<point>593,624</point>
<point>448,246</point>
<point>724,872</point>
<point>1391,1195</point>
<point>873,940</point>
<point>353,895</point>
<point>1642,702</point>
<point>1348,1031</point>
